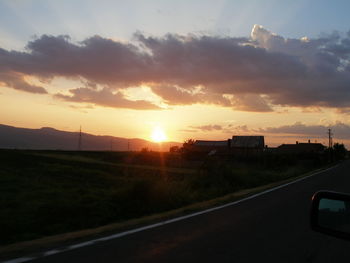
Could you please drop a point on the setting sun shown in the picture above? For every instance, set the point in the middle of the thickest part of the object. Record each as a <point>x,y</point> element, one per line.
<point>158,134</point>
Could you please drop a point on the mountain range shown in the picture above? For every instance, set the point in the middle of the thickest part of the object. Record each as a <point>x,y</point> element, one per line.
<point>47,138</point>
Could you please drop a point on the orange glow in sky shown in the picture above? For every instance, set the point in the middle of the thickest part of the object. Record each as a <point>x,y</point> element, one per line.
<point>177,71</point>
<point>158,134</point>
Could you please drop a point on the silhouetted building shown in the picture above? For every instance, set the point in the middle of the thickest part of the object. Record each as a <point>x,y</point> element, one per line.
<point>208,146</point>
<point>299,148</point>
<point>248,142</point>
<point>237,145</point>
<point>247,145</point>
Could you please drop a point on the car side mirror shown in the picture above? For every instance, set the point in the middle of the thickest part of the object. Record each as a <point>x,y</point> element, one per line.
<point>330,214</point>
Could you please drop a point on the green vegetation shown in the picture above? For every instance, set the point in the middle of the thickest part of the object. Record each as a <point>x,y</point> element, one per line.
<point>50,192</point>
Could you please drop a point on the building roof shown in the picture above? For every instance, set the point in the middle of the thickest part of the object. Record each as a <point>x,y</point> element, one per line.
<point>211,143</point>
<point>248,141</point>
<point>302,147</point>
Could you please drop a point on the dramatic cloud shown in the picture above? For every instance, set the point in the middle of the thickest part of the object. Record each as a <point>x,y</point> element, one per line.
<point>340,130</point>
<point>275,135</point>
<point>228,129</point>
<point>105,97</point>
<point>207,127</point>
<point>250,102</point>
<point>249,74</point>
<point>174,95</point>
<point>16,81</point>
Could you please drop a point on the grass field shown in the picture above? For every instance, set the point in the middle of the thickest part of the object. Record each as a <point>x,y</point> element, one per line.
<point>50,192</point>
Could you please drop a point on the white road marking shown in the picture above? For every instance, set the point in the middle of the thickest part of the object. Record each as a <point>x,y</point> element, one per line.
<point>19,260</point>
<point>84,244</point>
<point>52,252</point>
<point>129,232</point>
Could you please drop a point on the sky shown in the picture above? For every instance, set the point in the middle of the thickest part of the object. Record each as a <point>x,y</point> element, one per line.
<point>190,69</point>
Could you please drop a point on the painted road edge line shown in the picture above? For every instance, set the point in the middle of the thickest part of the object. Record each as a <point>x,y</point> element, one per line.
<point>162,223</point>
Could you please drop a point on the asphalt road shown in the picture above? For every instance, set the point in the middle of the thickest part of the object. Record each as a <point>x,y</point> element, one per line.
<point>273,227</point>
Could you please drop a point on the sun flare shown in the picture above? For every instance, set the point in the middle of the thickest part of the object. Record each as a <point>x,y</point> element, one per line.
<point>158,134</point>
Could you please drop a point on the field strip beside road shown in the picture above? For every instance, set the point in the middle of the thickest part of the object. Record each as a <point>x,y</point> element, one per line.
<point>166,218</point>
<point>123,165</point>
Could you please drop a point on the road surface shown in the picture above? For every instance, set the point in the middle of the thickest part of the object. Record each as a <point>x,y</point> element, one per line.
<point>273,227</point>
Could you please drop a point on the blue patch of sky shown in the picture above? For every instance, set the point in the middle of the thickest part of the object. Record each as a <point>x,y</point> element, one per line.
<point>20,20</point>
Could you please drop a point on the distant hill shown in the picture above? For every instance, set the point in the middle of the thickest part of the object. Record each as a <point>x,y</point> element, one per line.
<point>51,139</point>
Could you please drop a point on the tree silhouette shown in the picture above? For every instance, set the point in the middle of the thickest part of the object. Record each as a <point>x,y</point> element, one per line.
<point>339,151</point>
<point>188,148</point>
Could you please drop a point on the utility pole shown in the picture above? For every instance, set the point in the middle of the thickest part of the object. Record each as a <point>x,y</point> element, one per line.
<point>128,146</point>
<point>79,141</point>
<point>330,145</point>
<point>330,139</point>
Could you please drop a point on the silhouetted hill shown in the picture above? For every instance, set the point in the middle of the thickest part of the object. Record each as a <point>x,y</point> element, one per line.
<point>51,139</point>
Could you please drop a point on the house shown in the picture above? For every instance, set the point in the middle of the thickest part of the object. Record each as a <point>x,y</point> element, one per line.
<point>238,144</point>
<point>301,148</point>
<point>248,142</point>
<point>209,146</point>
<point>247,145</point>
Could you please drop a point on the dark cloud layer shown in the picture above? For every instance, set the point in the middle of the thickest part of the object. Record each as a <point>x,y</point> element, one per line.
<point>16,81</point>
<point>249,74</point>
<point>340,130</point>
<point>210,127</point>
<point>228,129</point>
<point>105,97</point>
